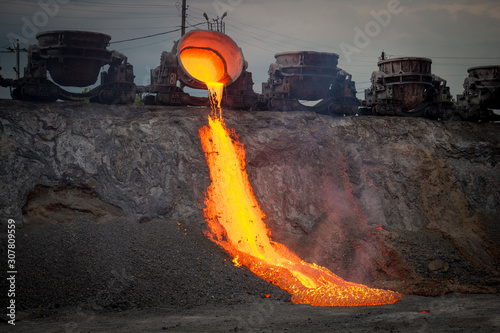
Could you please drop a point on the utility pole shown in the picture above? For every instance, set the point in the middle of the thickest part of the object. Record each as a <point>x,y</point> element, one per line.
<point>183,25</point>
<point>17,59</point>
<point>17,50</point>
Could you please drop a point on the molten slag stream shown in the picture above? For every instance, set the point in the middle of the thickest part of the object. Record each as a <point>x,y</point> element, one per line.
<point>207,67</point>
<point>236,222</point>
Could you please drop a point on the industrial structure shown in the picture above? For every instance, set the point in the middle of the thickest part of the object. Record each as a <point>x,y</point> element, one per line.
<point>309,76</point>
<point>400,87</point>
<point>74,59</point>
<point>407,87</point>
<point>481,94</point>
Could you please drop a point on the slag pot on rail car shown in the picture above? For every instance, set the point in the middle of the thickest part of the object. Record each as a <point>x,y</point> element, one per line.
<point>74,58</point>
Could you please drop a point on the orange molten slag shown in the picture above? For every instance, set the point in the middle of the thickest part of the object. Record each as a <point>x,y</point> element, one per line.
<point>236,222</point>
<point>206,66</point>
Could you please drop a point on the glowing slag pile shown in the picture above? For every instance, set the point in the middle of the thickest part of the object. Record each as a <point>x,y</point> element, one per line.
<point>236,222</point>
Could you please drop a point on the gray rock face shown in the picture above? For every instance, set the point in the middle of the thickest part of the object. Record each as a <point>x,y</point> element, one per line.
<point>372,198</point>
<point>146,163</point>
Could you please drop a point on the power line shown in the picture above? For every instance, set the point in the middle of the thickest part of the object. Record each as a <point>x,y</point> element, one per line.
<point>92,28</point>
<point>23,13</point>
<point>143,37</point>
<point>108,18</point>
<point>85,2</point>
<point>148,36</point>
<point>269,35</point>
<point>459,58</point>
<point>259,47</point>
<point>144,45</point>
<point>120,4</point>
<point>298,42</point>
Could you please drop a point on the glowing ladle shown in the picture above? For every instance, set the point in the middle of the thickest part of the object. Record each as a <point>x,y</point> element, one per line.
<point>210,59</point>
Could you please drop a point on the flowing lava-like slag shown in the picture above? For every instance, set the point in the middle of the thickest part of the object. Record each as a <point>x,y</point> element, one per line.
<point>205,65</point>
<point>236,222</point>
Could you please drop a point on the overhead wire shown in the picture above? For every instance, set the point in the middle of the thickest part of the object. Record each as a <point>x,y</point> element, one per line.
<point>107,28</point>
<point>152,35</point>
<point>14,12</point>
<point>143,37</point>
<point>144,45</point>
<point>272,38</point>
<point>275,37</point>
<point>108,18</point>
<point>85,2</point>
<point>269,35</point>
<point>460,58</point>
<point>263,41</point>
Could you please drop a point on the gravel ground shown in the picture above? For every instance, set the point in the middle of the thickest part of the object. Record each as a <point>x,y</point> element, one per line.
<point>118,264</point>
<point>134,283</point>
<point>450,313</point>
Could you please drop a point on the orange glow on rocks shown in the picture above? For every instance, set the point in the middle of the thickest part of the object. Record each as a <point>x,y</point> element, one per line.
<point>236,222</point>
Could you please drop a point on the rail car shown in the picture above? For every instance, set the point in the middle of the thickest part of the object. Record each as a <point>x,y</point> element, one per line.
<point>407,87</point>
<point>74,59</point>
<point>400,86</point>
<point>169,78</point>
<point>309,76</point>
<point>481,94</point>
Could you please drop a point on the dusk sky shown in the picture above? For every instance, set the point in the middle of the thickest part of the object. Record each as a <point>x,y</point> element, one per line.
<point>456,35</point>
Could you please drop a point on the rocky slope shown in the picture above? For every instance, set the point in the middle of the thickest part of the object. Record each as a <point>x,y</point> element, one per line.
<point>108,202</point>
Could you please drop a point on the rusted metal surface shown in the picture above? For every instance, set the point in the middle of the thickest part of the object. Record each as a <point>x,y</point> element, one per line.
<point>117,84</point>
<point>341,96</point>
<point>399,84</point>
<point>303,75</point>
<point>481,94</point>
<point>309,76</point>
<point>239,94</point>
<point>74,58</point>
<point>406,86</point>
